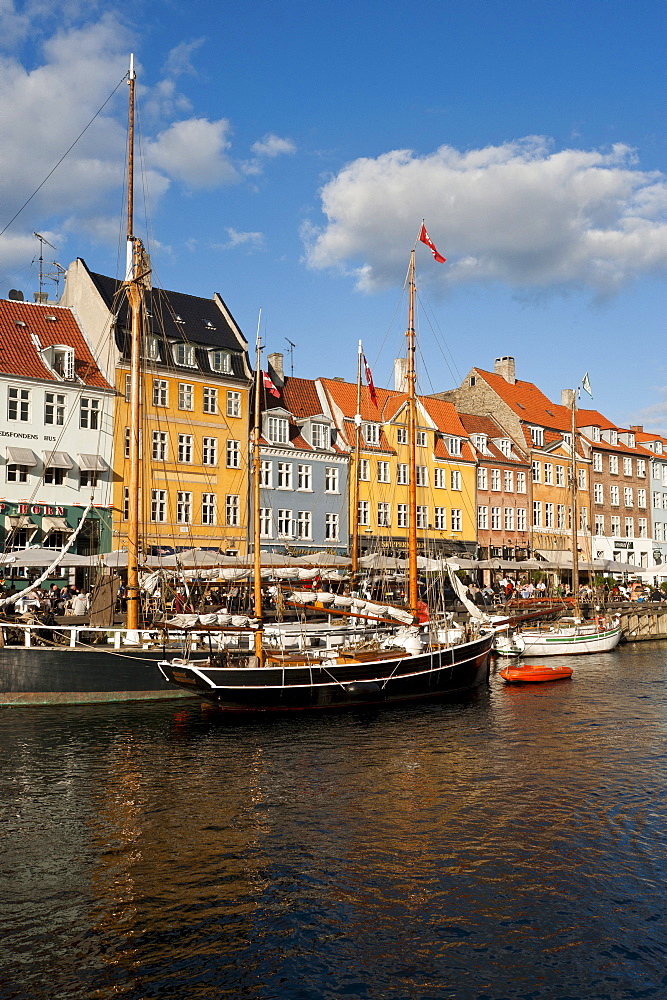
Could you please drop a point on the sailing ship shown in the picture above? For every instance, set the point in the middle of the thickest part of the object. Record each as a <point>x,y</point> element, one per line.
<point>412,663</point>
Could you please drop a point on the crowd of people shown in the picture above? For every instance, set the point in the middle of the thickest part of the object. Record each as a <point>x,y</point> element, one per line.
<point>66,600</point>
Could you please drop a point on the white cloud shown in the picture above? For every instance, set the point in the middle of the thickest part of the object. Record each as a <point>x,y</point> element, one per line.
<point>267,149</point>
<point>520,214</point>
<point>252,241</point>
<point>194,151</point>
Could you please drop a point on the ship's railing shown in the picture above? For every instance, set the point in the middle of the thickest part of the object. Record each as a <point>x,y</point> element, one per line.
<point>116,638</point>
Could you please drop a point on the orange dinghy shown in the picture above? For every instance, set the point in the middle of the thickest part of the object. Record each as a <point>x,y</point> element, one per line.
<point>531,673</point>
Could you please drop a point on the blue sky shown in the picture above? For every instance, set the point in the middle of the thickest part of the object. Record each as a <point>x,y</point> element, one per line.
<point>291,150</point>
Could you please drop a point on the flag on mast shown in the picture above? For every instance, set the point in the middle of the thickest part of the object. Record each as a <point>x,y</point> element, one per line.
<point>586,385</point>
<point>369,380</point>
<point>268,384</point>
<point>425,238</point>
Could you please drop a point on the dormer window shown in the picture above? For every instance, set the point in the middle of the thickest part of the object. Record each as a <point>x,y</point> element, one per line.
<point>220,361</point>
<point>151,347</point>
<point>597,436</point>
<point>319,435</point>
<point>372,433</point>
<point>613,437</point>
<point>631,440</point>
<point>277,430</point>
<point>567,438</point>
<point>658,447</point>
<point>479,440</point>
<point>184,354</point>
<point>537,436</point>
<point>505,446</point>
<point>454,445</point>
<point>60,359</point>
<point>178,319</point>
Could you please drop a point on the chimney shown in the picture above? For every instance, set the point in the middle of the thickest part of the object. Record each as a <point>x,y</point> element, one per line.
<point>41,298</point>
<point>401,374</point>
<point>637,428</point>
<point>566,397</point>
<point>505,367</point>
<point>275,363</point>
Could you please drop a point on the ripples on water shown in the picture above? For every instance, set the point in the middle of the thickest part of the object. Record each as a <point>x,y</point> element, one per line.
<point>511,845</point>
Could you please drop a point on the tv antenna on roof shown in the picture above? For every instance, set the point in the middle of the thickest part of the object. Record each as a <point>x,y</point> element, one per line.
<point>292,345</point>
<point>54,275</point>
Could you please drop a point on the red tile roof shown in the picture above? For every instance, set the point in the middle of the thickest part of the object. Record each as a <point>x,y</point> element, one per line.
<point>529,403</point>
<point>19,354</point>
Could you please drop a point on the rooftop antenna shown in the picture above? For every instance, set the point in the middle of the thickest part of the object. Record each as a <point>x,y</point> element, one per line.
<point>54,275</point>
<point>291,354</point>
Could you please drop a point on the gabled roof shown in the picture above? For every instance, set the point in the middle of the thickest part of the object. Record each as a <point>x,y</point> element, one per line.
<point>528,402</point>
<point>487,426</point>
<point>25,326</point>
<point>298,397</point>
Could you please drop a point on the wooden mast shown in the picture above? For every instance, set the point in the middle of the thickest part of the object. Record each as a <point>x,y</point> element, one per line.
<point>134,299</point>
<point>411,377</point>
<point>574,485</point>
<point>256,495</point>
<point>354,531</point>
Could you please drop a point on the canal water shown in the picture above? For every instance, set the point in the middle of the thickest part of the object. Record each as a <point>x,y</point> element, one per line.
<point>508,845</point>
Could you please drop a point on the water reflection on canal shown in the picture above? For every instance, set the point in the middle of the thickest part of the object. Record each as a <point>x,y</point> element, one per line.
<point>507,845</point>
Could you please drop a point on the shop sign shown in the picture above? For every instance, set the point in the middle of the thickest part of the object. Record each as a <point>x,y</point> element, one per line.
<point>623,544</point>
<point>41,509</point>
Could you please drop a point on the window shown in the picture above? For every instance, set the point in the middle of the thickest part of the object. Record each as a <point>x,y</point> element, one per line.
<point>598,493</point>
<point>183,507</point>
<point>509,518</point>
<point>331,527</point>
<point>209,451</point>
<point>220,361</point>
<point>456,519</point>
<point>364,469</point>
<point>583,519</point>
<point>185,447</point>
<point>505,446</point>
<point>208,508</point>
<point>17,473</point>
<point>364,513</point>
<point>597,461</point>
<point>441,519</point>
<point>537,436</point>
<point>232,510</point>
<point>627,466</point>
<point>567,439</point>
<point>128,388</point>
<point>560,516</point>
<point>521,482</point>
<point>627,496</point>
<point>383,514</point>
<point>658,447</point>
<point>151,349</point>
<point>372,433</point>
<point>54,408</point>
<point>55,477</point>
<point>560,475</point>
<point>233,403</point>
<point>537,472</point>
<point>482,479</point>
<point>185,396</point>
<point>265,522</point>
<point>284,475</point>
<point>127,442</point>
<point>508,478</point>
<point>658,529</point>
<point>641,468</point>
<point>548,473</point>
<point>655,470</point>
<point>319,435</point>
<point>158,506</point>
<point>454,445</point>
<point>383,472</point>
<point>613,464</point>
<point>63,362</point>
<point>277,430</point>
<point>629,527</point>
<point>613,496</point>
<point>233,454</point>
<point>210,404</point>
<point>595,434</point>
<point>126,503</point>
<point>642,526</point>
<point>402,435</point>
<point>495,480</point>
<point>160,397</point>
<point>456,480</point>
<point>599,524</point>
<point>89,413</point>
<point>483,518</point>
<point>88,479</point>
<point>304,524</point>
<point>401,515</point>
<point>613,437</point>
<point>421,439</point>
<point>615,525</point>
<point>304,477</point>
<point>402,474</point>
<point>479,440</point>
<point>422,475</point>
<point>184,354</point>
<point>159,446</point>
<point>641,498</point>
<point>422,516</point>
<point>657,499</point>
<point>537,514</point>
<point>496,513</point>
<point>581,476</point>
<point>18,404</point>
<point>266,474</point>
<point>521,520</point>
<point>331,477</point>
<point>549,515</point>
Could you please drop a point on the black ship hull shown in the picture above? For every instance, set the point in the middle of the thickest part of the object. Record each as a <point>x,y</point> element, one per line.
<point>44,676</point>
<point>332,685</point>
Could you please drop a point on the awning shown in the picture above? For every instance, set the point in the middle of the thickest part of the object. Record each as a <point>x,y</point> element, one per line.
<point>57,460</point>
<point>21,456</point>
<point>560,557</point>
<point>92,463</point>
<point>50,524</point>
<point>15,522</point>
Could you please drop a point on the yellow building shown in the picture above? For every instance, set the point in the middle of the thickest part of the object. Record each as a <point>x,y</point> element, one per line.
<point>195,388</point>
<point>445,470</point>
